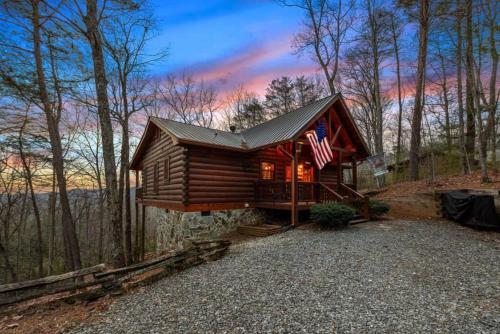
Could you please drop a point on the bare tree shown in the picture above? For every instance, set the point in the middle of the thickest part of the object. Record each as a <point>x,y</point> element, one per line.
<point>491,9</point>
<point>325,31</point>
<point>472,87</point>
<point>28,16</point>
<point>125,43</point>
<point>89,152</point>
<point>459,62</point>
<point>416,124</point>
<point>28,175</point>
<point>192,102</point>
<point>395,33</point>
<point>9,195</point>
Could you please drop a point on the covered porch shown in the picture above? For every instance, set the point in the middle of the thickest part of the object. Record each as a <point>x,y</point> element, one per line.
<point>302,184</point>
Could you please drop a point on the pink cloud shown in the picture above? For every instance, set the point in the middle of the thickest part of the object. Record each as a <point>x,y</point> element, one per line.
<point>252,66</point>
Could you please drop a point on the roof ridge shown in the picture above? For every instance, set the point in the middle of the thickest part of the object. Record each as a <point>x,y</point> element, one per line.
<point>193,125</point>
<point>272,119</point>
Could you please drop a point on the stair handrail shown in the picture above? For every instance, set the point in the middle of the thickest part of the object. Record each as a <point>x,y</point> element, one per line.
<point>352,191</point>
<point>365,211</point>
<point>333,192</point>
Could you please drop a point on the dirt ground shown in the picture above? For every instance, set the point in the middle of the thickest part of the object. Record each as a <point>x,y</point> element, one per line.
<point>415,200</point>
<point>52,319</point>
<point>452,182</point>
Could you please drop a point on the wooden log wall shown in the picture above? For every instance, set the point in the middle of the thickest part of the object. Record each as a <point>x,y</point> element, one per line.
<point>202,178</point>
<point>219,176</point>
<point>170,191</point>
<point>329,174</point>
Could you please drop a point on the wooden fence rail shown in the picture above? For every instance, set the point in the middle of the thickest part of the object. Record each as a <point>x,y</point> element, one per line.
<point>94,282</point>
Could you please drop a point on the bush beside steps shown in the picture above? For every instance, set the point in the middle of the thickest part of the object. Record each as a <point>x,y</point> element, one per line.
<point>377,208</point>
<point>332,214</point>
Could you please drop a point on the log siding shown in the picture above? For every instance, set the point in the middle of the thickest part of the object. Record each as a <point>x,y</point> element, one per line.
<point>160,184</point>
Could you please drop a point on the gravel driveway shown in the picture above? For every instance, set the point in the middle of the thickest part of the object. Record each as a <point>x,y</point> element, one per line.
<point>404,277</point>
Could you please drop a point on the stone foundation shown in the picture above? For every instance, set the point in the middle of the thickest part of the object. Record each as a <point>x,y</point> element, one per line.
<point>173,227</point>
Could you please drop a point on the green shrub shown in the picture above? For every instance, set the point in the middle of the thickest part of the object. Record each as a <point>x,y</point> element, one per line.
<point>331,214</point>
<point>378,208</point>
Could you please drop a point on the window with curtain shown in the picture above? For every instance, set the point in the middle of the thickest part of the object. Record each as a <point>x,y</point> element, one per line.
<point>267,170</point>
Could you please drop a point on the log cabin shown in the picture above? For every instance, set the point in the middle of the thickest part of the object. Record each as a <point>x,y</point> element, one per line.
<point>189,168</point>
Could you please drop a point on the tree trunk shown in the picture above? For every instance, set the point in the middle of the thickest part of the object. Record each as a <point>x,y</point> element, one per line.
<point>71,247</point>
<point>417,112</point>
<point>125,156</point>
<point>34,203</point>
<point>469,83</point>
<point>461,124</point>
<point>472,88</point>
<point>379,141</point>
<point>492,103</point>
<point>53,203</point>
<point>8,265</point>
<point>94,37</point>
<point>446,102</point>
<point>400,98</point>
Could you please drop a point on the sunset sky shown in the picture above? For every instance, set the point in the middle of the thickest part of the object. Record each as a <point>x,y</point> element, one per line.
<point>229,42</point>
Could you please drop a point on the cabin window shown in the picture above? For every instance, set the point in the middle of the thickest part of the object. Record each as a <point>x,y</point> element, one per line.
<point>205,213</point>
<point>145,180</point>
<point>155,177</point>
<point>305,172</point>
<point>166,170</point>
<point>267,170</point>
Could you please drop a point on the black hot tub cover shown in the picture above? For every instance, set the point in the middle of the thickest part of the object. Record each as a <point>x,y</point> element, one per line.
<point>474,210</point>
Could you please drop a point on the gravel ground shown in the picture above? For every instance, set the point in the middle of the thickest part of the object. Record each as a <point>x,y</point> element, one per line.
<point>396,277</point>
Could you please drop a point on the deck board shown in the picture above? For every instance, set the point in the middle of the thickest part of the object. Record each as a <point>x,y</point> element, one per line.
<point>284,205</point>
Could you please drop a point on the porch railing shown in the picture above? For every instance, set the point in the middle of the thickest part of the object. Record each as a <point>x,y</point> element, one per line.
<point>311,192</point>
<point>275,191</point>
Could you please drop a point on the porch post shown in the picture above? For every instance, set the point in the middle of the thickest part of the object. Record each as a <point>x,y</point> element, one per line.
<point>339,169</point>
<point>354,172</point>
<point>317,186</point>
<point>295,212</point>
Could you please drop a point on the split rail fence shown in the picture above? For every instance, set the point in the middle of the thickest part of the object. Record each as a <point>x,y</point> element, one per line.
<point>95,282</point>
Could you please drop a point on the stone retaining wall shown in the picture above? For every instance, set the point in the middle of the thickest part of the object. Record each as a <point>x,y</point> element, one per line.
<point>173,227</point>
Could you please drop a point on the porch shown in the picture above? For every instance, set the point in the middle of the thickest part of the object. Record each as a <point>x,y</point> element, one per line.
<point>278,195</point>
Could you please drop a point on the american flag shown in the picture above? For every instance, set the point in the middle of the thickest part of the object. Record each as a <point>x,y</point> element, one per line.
<point>320,146</point>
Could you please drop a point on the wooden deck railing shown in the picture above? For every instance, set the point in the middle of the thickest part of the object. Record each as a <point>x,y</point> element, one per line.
<point>313,192</point>
<point>276,191</point>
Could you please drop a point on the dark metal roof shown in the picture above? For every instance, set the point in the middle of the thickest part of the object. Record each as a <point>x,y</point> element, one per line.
<point>193,134</point>
<point>276,130</point>
<point>285,127</point>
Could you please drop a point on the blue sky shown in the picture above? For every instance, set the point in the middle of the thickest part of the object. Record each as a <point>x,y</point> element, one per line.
<point>229,42</point>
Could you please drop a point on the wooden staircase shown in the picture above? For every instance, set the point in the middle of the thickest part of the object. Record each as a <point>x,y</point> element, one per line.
<point>348,196</point>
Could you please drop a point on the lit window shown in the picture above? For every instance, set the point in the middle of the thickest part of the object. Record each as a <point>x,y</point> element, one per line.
<point>305,172</point>
<point>267,170</point>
